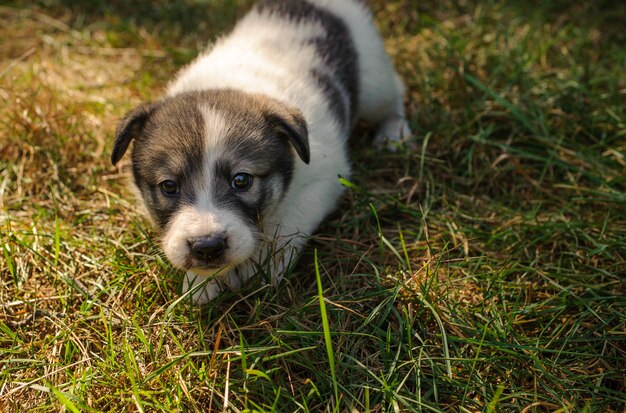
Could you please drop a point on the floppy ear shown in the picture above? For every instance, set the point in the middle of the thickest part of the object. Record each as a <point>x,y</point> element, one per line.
<point>130,127</point>
<point>290,122</point>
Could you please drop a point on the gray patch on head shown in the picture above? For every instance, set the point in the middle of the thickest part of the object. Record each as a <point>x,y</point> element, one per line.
<point>255,143</point>
<point>336,49</point>
<point>170,143</point>
<point>170,148</point>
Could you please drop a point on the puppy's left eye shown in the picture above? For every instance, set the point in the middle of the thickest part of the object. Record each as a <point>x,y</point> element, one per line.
<point>241,181</point>
<point>169,188</point>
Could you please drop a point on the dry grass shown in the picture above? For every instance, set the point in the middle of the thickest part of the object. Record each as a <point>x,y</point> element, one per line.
<point>482,271</point>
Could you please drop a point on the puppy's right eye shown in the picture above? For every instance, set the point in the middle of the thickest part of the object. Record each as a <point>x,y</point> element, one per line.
<point>169,188</point>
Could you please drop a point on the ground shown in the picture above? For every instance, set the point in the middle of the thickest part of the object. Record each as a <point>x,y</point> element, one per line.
<point>480,268</point>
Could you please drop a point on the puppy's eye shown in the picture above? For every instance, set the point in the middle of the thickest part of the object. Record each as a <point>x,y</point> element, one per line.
<point>241,181</point>
<point>169,188</point>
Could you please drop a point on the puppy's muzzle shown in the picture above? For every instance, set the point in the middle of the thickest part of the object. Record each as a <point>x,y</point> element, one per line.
<point>208,250</point>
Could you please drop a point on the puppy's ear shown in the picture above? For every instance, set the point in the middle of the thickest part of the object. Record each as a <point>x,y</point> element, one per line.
<point>290,122</point>
<point>130,127</point>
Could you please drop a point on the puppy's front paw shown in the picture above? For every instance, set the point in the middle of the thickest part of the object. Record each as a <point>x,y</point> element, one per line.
<point>201,288</point>
<point>393,132</point>
<point>204,288</point>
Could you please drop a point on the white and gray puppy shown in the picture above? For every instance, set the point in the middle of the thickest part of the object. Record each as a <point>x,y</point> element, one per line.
<point>239,163</point>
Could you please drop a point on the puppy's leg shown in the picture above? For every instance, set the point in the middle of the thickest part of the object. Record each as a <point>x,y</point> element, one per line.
<point>276,257</point>
<point>381,99</point>
<point>393,129</point>
<point>205,288</point>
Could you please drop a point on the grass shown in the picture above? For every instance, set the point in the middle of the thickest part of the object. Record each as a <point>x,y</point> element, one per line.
<point>483,270</point>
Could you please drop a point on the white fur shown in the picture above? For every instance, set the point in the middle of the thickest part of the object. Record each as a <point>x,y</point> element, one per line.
<point>248,61</point>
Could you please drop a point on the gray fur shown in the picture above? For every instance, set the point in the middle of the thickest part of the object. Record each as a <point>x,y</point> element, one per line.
<point>169,143</point>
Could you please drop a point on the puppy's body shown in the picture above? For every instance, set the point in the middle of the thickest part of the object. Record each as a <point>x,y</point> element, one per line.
<point>239,163</point>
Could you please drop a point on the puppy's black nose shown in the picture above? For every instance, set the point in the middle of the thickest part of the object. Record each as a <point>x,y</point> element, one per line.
<point>208,249</point>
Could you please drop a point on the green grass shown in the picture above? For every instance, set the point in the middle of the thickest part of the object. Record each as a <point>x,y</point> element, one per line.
<point>483,270</point>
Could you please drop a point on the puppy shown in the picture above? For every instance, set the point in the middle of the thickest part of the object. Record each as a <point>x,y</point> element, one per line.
<point>239,163</point>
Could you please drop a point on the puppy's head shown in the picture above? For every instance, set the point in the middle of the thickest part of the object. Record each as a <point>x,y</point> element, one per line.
<point>209,167</point>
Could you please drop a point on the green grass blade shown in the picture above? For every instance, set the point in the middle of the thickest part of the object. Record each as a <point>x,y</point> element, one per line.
<point>515,111</point>
<point>64,400</point>
<point>326,328</point>
<point>57,240</point>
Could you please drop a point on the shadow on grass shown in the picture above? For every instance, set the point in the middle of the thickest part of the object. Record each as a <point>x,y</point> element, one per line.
<point>191,15</point>
<point>179,21</point>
